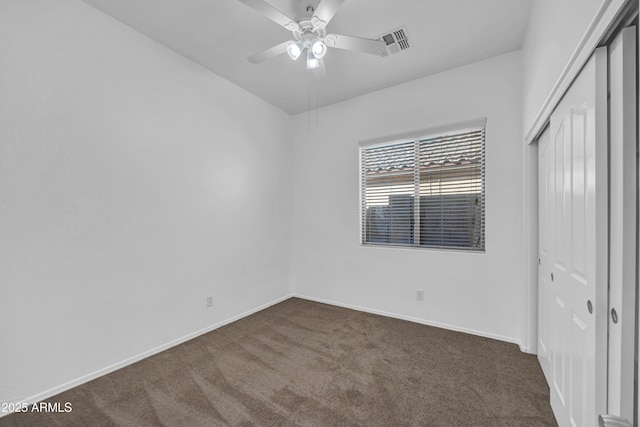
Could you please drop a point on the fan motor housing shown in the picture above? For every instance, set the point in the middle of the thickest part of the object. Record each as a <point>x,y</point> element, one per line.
<point>307,31</point>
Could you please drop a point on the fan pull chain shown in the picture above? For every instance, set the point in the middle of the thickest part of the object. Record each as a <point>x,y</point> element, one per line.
<point>309,99</point>
<point>311,88</point>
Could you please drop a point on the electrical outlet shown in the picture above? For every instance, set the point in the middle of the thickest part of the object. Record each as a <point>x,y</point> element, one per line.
<point>209,301</point>
<point>419,294</point>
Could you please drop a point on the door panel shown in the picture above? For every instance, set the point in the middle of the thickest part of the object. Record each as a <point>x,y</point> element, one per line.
<point>623,187</point>
<point>577,193</point>
<point>545,226</point>
<point>579,374</point>
<point>573,248</point>
<point>559,350</point>
<point>559,194</point>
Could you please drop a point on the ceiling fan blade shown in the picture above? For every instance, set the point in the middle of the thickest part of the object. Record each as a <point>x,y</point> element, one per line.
<point>269,53</point>
<point>357,44</point>
<point>272,13</point>
<point>327,9</point>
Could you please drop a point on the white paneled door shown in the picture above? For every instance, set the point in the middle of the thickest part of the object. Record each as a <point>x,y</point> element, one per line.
<point>545,233</point>
<point>573,248</point>
<point>622,219</point>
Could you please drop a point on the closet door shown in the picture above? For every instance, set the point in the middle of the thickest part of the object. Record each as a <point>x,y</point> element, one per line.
<point>622,211</point>
<point>546,184</point>
<point>574,249</point>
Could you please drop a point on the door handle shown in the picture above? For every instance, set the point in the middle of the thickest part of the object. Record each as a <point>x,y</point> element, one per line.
<point>612,421</point>
<point>614,316</point>
<point>590,307</point>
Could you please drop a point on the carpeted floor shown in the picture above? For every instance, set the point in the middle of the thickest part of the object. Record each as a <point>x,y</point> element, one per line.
<point>304,363</point>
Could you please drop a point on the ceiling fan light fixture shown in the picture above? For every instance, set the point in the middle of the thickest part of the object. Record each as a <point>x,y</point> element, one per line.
<point>312,61</point>
<point>294,50</point>
<point>318,48</point>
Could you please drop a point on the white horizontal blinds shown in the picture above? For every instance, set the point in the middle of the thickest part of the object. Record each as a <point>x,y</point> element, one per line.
<point>387,179</point>
<point>452,190</point>
<point>439,203</point>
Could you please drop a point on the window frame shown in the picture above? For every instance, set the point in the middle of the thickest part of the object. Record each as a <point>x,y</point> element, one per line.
<point>416,137</point>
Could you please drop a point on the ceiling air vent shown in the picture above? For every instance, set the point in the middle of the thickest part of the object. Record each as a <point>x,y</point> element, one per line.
<point>397,40</point>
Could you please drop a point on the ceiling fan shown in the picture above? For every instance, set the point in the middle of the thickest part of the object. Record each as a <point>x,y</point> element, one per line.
<point>309,32</point>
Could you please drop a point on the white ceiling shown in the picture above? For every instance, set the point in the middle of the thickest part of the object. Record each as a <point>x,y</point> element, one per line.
<point>221,34</point>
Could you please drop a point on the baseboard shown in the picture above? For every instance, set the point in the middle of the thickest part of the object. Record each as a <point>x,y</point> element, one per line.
<point>527,349</point>
<point>414,319</point>
<point>131,360</point>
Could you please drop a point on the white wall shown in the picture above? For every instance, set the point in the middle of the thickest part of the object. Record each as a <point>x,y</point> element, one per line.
<point>481,293</point>
<point>554,32</point>
<point>133,183</point>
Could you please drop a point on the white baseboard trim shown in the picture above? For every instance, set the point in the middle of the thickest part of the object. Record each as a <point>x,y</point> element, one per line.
<point>527,349</point>
<point>414,319</point>
<point>131,360</point>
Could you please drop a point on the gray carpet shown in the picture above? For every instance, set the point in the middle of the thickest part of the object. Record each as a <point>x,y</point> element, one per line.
<point>304,363</point>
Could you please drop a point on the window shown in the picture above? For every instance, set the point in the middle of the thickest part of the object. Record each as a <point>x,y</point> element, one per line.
<point>425,191</point>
